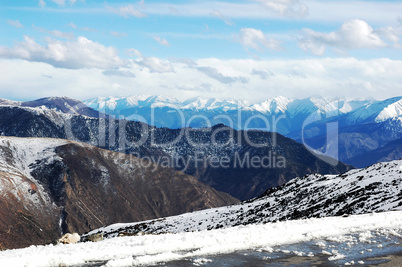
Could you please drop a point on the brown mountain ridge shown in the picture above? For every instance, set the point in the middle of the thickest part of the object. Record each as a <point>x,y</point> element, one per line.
<point>51,186</point>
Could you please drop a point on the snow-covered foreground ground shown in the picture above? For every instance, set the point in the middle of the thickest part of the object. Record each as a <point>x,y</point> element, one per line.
<point>149,249</point>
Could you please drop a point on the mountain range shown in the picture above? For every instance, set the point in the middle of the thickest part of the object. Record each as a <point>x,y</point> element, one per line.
<point>219,156</point>
<point>357,126</point>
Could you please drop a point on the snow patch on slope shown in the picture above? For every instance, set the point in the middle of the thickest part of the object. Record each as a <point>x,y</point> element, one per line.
<point>29,150</point>
<point>376,188</point>
<point>17,156</point>
<point>392,111</point>
<point>373,110</point>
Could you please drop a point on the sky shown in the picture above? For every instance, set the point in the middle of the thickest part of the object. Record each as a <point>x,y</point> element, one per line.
<point>250,49</point>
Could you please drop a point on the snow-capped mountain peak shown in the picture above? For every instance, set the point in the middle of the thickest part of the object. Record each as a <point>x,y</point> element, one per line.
<point>393,110</point>
<point>121,103</point>
<point>274,105</point>
<point>359,109</point>
<point>202,103</point>
<point>376,111</point>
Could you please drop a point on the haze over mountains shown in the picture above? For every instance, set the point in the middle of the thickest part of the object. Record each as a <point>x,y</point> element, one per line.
<point>360,125</point>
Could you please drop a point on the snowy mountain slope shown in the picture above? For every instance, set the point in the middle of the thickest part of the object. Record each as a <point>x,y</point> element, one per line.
<point>52,186</point>
<point>60,104</point>
<point>203,103</point>
<point>26,208</point>
<point>275,105</point>
<point>392,111</point>
<point>140,101</point>
<point>377,111</point>
<point>330,240</point>
<point>376,188</point>
<point>120,103</point>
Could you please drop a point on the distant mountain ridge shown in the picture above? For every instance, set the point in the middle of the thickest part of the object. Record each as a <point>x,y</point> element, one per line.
<point>361,125</point>
<point>273,105</point>
<point>358,111</point>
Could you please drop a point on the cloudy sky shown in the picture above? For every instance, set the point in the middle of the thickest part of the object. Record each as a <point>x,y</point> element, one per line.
<point>250,49</point>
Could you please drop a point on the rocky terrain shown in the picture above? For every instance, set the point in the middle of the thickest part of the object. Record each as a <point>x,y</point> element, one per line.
<point>376,188</point>
<point>51,186</point>
<point>391,151</point>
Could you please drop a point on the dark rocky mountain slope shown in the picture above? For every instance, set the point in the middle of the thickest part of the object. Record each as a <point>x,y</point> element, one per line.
<point>50,186</point>
<point>391,151</point>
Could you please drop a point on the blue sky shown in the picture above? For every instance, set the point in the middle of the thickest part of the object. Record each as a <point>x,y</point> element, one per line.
<point>252,49</point>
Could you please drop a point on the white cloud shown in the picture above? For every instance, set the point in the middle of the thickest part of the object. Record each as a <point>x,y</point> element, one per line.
<point>215,74</point>
<point>173,11</point>
<point>290,8</point>
<point>41,3</point>
<point>263,74</point>
<point>132,52</point>
<point>204,87</point>
<point>156,64</point>
<point>63,2</point>
<point>391,34</point>
<point>55,33</point>
<point>161,41</point>
<point>329,77</point>
<point>219,15</point>
<point>118,34</point>
<point>353,34</point>
<point>15,23</point>
<point>79,53</point>
<point>119,73</point>
<point>256,39</point>
<point>127,11</point>
<point>374,12</point>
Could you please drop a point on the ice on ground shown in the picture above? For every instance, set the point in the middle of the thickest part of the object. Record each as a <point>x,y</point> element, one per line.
<point>201,261</point>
